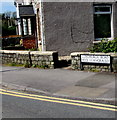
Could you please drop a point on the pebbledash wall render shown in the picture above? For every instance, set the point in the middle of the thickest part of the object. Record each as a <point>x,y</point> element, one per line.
<point>70,27</point>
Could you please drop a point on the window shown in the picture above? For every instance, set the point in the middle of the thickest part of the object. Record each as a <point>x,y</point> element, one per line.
<point>103,21</point>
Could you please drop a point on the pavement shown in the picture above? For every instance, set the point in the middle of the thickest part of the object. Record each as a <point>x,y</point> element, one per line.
<point>97,86</point>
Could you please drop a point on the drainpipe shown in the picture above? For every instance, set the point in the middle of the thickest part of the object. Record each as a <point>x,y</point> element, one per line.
<point>42,26</point>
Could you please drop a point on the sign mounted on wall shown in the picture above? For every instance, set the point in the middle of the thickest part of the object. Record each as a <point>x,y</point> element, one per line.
<point>99,59</point>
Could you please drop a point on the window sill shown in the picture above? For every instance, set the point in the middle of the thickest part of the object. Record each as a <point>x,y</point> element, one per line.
<point>97,40</point>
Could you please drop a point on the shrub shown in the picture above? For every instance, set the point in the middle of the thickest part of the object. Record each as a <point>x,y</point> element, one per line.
<point>105,46</point>
<point>10,41</point>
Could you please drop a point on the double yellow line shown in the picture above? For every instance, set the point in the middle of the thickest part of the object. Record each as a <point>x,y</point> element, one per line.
<point>60,100</point>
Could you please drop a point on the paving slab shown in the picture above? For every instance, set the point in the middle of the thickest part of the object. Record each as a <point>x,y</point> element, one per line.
<point>86,92</point>
<point>111,85</point>
<point>109,94</point>
<point>97,80</point>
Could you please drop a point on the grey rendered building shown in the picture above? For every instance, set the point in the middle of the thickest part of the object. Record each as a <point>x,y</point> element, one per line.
<point>75,26</point>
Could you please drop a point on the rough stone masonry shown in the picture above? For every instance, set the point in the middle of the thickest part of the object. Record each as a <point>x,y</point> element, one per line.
<point>76,62</point>
<point>48,59</point>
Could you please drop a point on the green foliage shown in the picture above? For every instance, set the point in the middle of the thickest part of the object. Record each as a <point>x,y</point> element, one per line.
<point>40,66</point>
<point>10,41</point>
<point>8,30</point>
<point>13,64</point>
<point>7,23</point>
<point>34,66</point>
<point>12,30</point>
<point>105,46</point>
<point>27,65</point>
<point>44,66</point>
<point>94,70</point>
<point>33,49</point>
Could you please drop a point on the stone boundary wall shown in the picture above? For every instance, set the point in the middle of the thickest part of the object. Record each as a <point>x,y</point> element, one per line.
<point>47,59</point>
<point>75,62</point>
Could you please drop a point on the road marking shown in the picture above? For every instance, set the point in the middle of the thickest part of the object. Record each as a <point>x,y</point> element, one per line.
<point>61,99</point>
<point>57,101</point>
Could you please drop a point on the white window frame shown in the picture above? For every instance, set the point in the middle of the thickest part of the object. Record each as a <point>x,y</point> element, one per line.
<point>111,13</point>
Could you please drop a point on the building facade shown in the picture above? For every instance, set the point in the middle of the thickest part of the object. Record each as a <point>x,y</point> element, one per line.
<point>26,23</point>
<point>74,26</point>
<point>71,27</point>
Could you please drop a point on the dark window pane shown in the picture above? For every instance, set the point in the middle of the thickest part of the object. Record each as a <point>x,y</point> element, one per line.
<point>102,25</point>
<point>102,9</point>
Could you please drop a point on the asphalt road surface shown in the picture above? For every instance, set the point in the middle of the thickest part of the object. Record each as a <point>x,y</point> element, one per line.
<point>17,107</point>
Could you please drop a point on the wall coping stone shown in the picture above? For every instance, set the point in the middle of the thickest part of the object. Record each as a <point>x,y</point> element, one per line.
<point>43,52</point>
<point>79,53</point>
<point>12,51</point>
<point>27,52</point>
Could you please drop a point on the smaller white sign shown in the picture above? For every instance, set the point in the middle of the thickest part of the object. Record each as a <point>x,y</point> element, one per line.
<point>103,59</point>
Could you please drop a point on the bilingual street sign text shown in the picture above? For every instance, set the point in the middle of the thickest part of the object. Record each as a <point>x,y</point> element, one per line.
<point>101,59</point>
